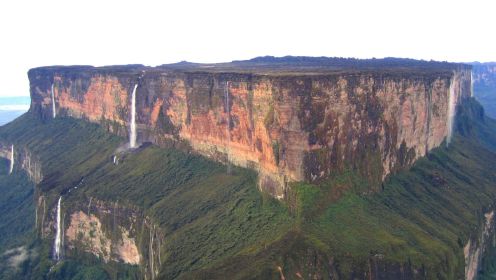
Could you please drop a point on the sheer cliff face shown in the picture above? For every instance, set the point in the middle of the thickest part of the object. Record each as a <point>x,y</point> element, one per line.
<point>292,127</point>
<point>476,247</point>
<point>23,160</point>
<point>112,232</point>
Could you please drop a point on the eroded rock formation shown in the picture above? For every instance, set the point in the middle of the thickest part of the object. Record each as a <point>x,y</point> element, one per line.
<point>106,230</point>
<point>476,246</point>
<point>24,160</point>
<point>292,126</point>
<point>88,231</point>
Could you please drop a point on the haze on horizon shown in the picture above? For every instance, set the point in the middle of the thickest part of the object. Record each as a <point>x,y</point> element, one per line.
<point>57,32</point>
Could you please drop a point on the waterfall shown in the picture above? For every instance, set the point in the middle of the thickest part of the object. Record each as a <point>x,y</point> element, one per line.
<point>89,207</point>
<point>132,133</point>
<point>36,217</point>
<point>54,113</point>
<point>11,159</point>
<point>472,83</point>
<point>43,218</point>
<point>58,234</point>
<point>151,252</point>
<point>451,110</point>
<point>228,110</point>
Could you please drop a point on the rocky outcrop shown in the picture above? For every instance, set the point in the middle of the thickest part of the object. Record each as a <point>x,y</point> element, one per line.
<point>23,160</point>
<point>476,247</point>
<point>294,126</point>
<point>88,231</point>
<point>31,164</point>
<point>109,231</point>
<point>6,151</point>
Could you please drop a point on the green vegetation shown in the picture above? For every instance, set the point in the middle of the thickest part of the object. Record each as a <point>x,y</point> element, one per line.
<point>217,224</point>
<point>89,268</point>
<point>276,147</point>
<point>16,219</point>
<point>16,206</point>
<point>206,214</point>
<point>421,219</point>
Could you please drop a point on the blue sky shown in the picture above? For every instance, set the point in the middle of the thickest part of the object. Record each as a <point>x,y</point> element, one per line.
<point>61,32</point>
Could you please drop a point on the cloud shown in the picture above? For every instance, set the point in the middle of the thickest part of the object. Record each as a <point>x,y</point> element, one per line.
<point>17,256</point>
<point>22,108</point>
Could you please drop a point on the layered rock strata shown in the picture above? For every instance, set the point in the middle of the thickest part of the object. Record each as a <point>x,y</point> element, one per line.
<point>23,160</point>
<point>292,126</point>
<point>107,230</point>
<point>476,247</point>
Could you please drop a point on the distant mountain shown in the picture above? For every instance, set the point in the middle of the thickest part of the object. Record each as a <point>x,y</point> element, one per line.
<point>13,107</point>
<point>484,76</point>
<point>342,62</point>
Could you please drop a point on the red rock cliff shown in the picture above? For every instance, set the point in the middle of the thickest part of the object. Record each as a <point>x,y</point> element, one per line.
<point>290,126</point>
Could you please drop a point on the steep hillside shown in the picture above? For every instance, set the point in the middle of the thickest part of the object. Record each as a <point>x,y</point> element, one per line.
<point>195,211</point>
<point>17,216</point>
<point>273,168</point>
<point>170,213</point>
<point>418,227</point>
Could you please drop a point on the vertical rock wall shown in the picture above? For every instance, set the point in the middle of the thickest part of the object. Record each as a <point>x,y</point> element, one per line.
<point>475,247</point>
<point>23,160</point>
<point>107,230</point>
<point>294,127</point>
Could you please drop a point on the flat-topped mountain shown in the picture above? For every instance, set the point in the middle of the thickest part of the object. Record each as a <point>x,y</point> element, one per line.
<point>270,168</point>
<point>290,119</point>
<point>270,65</point>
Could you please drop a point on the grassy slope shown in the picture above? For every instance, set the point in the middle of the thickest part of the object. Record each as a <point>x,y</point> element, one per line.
<point>16,206</point>
<point>52,143</point>
<point>16,216</point>
<point>218,224</point>
<point>207,215</point>
<point>422,218</point>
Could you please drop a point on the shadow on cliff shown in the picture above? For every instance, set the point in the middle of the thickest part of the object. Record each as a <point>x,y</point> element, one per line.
<point>415,228</point>
<point>218,224</point>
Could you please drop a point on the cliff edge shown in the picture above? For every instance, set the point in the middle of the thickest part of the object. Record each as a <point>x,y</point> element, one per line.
<point>291,119</point>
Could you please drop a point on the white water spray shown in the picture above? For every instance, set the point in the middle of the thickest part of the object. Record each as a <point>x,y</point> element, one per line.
<point>451,110</point>
<point>11,169</point>
<point>58,233</point>
<point>54,113</point>
<point>132,133</point>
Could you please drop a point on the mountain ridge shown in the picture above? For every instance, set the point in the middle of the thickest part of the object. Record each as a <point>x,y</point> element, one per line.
<point>168,210</point>
<point>335,223</point>
<point>296,127</point>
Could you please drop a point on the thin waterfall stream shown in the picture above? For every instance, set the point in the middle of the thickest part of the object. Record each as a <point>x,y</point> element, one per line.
<point>132,130</point>
<point>11,169</point>
<point>58,233</point>
<point>54,113</point>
